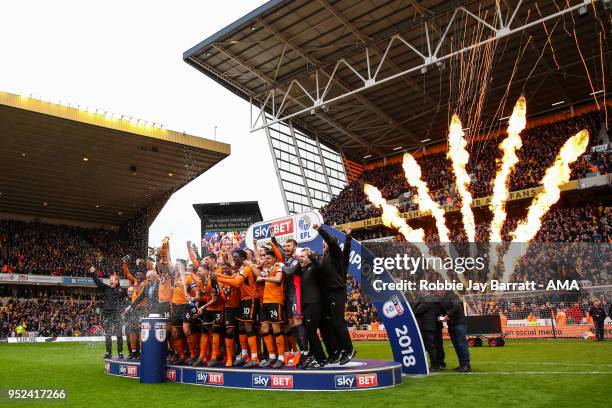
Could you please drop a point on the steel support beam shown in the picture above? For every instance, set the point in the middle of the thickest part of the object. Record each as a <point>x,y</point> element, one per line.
<point>278,175</point>
<point>327,183</point>
<point>364,39</point>
<point>431,58</point>
<point>262,76</point>
<point>313,61</point>
<point>299,160</point>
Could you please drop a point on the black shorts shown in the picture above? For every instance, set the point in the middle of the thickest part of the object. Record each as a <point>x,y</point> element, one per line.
<point>249,310</point>
<point>231,316</point>
<point>196,324</point>
<point>213,318</point>
<point>272,313</point>
<point>182,313</point>
<point>163,309</point>
<point>293,310</point>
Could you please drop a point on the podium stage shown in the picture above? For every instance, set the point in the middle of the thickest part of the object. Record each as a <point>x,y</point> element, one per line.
<point>356,375</point>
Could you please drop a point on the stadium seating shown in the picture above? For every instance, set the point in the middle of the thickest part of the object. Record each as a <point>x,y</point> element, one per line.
<point>540,146</point>
<point>50,316</point>
<point>45,249</point>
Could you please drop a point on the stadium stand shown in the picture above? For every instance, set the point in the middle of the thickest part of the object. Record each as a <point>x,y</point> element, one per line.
<point>92,203</point>
<point>49,316</point>
<point>48,249</point>
<point>540,146</point>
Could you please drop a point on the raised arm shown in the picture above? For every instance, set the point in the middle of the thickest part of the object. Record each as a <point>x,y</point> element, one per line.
<point>235,280</point>
<point>346,251</point>
<point>128,275</point>
<point>278,250</point>
<point>332,243</point>
<point>192,255</point>
<point>97,281</point>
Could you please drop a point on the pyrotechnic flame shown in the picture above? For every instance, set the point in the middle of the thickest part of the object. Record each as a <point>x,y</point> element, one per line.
<point>412,170</point>
<point>391,215</point>
<point>509,146</point>
<point>391,218</point>
<point>459,157</point>
<point>556,175</point>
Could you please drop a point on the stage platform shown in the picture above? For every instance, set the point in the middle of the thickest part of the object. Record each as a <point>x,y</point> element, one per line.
<point>356,375</point>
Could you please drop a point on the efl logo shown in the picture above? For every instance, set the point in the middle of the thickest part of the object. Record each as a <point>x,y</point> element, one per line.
<point>171,375</point>
<point>272,381</point>
<point>356,381</point>
<point>132,371</point>
<point>107,367</point>
<point>280,227</point>
<point>304,223</point>
<point>393,307</point>
<point>122,369</point>
<point>203,377</point>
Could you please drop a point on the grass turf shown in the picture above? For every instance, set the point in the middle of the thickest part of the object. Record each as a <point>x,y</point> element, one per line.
<point>526,373</point>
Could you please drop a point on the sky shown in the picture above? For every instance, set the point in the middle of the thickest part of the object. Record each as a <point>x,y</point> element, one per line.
<point>126,57</point>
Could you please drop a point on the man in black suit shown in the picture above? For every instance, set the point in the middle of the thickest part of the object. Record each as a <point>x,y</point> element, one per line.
<point>427,310</point>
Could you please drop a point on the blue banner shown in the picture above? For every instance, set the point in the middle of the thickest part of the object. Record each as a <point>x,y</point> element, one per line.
<point>392,307</point>
<point>77,281</point>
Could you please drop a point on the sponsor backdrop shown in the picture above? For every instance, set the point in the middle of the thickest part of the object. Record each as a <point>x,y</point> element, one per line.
<point>391,305</point>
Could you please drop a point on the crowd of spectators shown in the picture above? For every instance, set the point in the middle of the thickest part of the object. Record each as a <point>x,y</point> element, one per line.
<point>48,317</point>
<point>540,147</point>
<point>50,249</point>
<point>565,307</point>
<point>573,243</point>
<point>359,309</point>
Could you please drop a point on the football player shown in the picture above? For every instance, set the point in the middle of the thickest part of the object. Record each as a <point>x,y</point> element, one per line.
<point>272,309</point>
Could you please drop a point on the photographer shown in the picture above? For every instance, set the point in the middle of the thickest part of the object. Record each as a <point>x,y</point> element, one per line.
<point>113,300</point>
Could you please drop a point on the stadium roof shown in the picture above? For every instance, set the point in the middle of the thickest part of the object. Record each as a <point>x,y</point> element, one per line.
<point>306,61</point>
<point>66,163</point>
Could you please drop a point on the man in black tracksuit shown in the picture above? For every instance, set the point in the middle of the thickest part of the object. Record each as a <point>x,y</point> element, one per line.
<point>598,314</point>
<point>334,268</point>
<point>427,309</point>
<point>311,275</point>
<point>113,298</point>
<point>454,317</point>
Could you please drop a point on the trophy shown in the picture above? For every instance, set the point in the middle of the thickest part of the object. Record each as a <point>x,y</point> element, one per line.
<point>164,251</point>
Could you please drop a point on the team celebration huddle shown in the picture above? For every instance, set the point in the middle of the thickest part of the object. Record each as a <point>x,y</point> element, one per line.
<point>241,307</point>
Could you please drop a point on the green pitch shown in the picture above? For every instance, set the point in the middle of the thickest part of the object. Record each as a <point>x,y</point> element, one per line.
<point>528,373</point>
